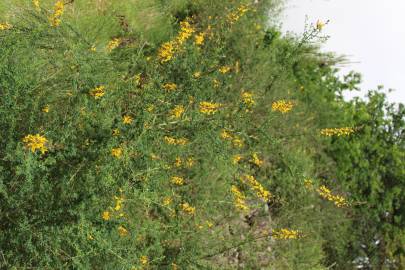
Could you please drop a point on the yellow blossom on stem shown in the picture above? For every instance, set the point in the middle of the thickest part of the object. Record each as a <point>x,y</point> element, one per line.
<point>144,260</point>
<point>187,208</point>
<point>122,231</point>
<point>247,99</point>
<point>282,106</point>
<point>170,86</point>
<point>320,25</point>
<point>113,44</point>
<point>197,74</point>
<point>239,198</point>
<point>326,194</point>
<point>106,215</point>
<point>236,159</point>
<point>127,119</point>
<point>285,234</point>
<point>224,69</point>
<point>36,142</point>
<point>116,152</point>
<point>167,201</point>
<point>215,83</point>
<point>261,192</point>
<point>199,39</point>
<point>5,26</point>
<point>176,180</point>
<point>98,92</point>
<point>36,4</point>
<point>174,141</point>
<point>166,51</point>
<point>226,135</point>
<point>45,109</point>
<point>256,160</point>
<point>344,131</point>
<point>209,107</point>
<point>177,112</point>
<point>54,19</point>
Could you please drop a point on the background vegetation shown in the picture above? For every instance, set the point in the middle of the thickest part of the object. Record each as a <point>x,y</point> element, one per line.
<point>153,134</point>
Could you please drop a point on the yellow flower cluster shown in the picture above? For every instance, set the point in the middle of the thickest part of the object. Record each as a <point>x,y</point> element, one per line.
<point>174,141</point>
<point>344,131</point>
<point>256,160</point>
<point>320,25</point>
<point>113,44</point>
<point>5,26</point>
<point>144,260</point>
<point>247,99</point>
<point>199,39</point>
<point>36,4</point>
<point>326,193</point>
<point>236,141</point>
<point>106,215</point>
<point>176,180</point>
<point>35,142</point>
<point>177,112</point>
<point>234,16</point>
<point>261,192</point>
<point>168,49</point>
<point>285,234</point>
<point>45,109</point>
<point>209,107</point>
<point>116,152</point>
<point>239,198</point>
<point>170,86</point>
<point>54,19</point>
<point>187,208</point>
<point>127,119</point>
<point>98,92</point>
<point>224,69</point>
<point>282,106</point>
<point>188,163</point>
<point>122,231</point>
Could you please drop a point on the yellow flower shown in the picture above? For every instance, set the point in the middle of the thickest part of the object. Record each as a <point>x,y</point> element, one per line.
<point>127,119</point>
<point>308,183</point>
<point>261,192</point>
<point>197,74</point>
<point>144,260</point>
<point>170,86</point>
<point>285,234</point>
<point>116,152</point>
<point>190,162</point>
<point>113,44</point>
<point>224,69</point>
<point>177,112</point>
<point>118,202</point>
<point>98,92</point>
<point>209,107</point>
<point>166,51</point>
<point>36,142</point>
<point>320,25</point>
<point>237,142</point>
<point>282,106</point>
<point>344,131</point>
<point>187,208</point>
<point>93,48</point>
<point>150,108</point>
<point>174,141</point>
<point>199,39</point>
<point>122,231</point>
<point>176,180</point>
<point>326,194</point>
<point>247,99</point>
<point>106,215</point>
<point>186,31</point>
<point>215,83</point>
<point>36,4</point>
<point>178,162</point>
<point>226,135</point>
<point>236,159</point>
<point>45,109</point>
<point>256,160</point>
<point>239,198</point>
<point>54,19</point>
<point>5,26</point>
<point>167,201</point>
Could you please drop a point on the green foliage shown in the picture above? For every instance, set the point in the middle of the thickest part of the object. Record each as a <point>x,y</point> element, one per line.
<point>102,196</point>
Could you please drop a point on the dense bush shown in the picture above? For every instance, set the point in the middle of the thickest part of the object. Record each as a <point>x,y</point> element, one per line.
<point>187,135</point>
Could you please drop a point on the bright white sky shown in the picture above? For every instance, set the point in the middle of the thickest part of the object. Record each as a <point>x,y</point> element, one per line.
<point>370,32</point>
